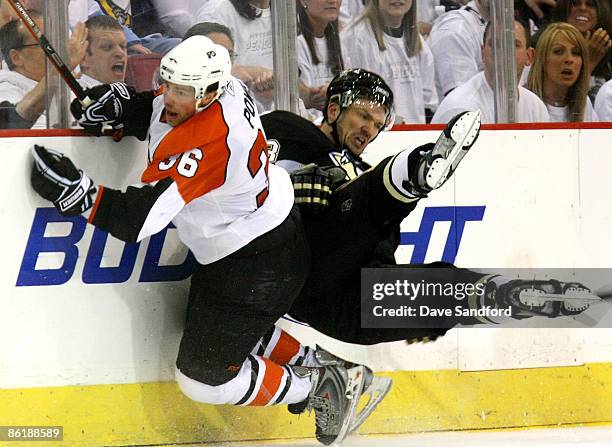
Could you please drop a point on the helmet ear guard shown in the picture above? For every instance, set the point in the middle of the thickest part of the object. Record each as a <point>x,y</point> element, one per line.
<point>390,120</point>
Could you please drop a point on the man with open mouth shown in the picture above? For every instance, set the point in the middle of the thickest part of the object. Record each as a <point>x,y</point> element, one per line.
<point>106,58</point>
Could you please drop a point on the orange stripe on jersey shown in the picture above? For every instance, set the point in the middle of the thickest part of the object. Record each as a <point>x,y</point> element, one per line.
<point>96,204</point>
<point>195,154</point>
<point>269,385</point>
<point>286,348</point>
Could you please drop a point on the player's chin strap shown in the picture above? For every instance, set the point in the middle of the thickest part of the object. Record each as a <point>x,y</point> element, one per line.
<point>334,131</point>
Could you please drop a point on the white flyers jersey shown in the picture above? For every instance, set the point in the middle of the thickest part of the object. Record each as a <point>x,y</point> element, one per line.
<point>209,175</point>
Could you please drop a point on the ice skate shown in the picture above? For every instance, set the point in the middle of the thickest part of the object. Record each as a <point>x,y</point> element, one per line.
<point>375,388</point>
<point>574,298</point>
<point>325,358</point>
<point>431,165</point>
<point>453,144</point>
<point>334,398</point>
<point>549,298</point>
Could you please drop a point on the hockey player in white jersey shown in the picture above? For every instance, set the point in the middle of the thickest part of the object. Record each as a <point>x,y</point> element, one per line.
<point>208,173</point>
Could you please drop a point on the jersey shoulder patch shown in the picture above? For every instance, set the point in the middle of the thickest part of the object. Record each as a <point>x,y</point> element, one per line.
<point>295,138</point>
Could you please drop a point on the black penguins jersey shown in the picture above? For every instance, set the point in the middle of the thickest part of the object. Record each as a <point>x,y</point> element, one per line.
<point>292,138</point>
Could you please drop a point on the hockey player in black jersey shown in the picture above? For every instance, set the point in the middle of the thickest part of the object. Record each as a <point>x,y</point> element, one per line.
<point>360,227</point>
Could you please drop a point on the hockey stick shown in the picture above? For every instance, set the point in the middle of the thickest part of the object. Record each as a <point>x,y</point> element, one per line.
<point>50,52</point>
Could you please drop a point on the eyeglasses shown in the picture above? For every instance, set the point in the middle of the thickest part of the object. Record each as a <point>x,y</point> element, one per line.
<point>233,55</point>
<point>27,45</point>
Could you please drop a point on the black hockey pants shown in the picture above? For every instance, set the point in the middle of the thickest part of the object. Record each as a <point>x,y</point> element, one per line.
<point>233,302</point>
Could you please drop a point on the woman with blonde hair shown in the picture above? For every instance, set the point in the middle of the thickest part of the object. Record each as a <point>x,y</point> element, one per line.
<point>386,41</point>
<point>560,73</point>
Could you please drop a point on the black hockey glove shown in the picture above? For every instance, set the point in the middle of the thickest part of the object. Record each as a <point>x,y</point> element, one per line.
<point>108,107</point>
<point>55,178</point>
<point>313,186</point>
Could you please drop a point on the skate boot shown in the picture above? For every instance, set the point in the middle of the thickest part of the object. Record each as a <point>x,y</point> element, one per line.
<point>375,388</point>
<point>549,298</point>
<point>432,164</point>
<point>325,358</point>
<point>334,397</point>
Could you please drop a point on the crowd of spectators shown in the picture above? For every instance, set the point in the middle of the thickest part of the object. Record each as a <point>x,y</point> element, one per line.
<point>435,54</point>
<point>477,92</point>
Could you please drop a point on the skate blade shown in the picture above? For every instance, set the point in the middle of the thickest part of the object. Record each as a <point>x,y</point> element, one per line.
<point>354,389</point>
<point>374,394</point>
<point>535,297</point>
<point>466,129</point>
<point>464,133</point>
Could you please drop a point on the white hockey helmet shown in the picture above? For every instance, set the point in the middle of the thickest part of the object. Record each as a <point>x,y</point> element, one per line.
<point>199,63</point>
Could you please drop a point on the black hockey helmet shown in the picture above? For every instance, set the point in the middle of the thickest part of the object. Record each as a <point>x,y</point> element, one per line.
<point>348,85</point>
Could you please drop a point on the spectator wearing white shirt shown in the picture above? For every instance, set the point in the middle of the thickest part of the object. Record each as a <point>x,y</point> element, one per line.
<point>477,92</point>
<point>603,102</point>
<point>319,54</point>
<point>250,22</point>
<point>429,10</point>
<point>350,10</point>
<point>455,41</point>
<point>23,87</point>
<point>560,74</point>
<point>386,41</point>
